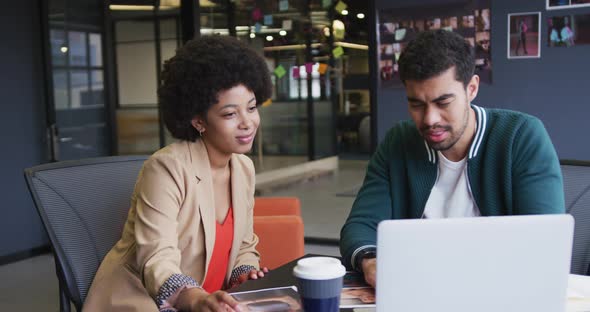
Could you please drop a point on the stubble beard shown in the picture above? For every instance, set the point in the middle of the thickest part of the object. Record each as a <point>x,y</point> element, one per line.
<point>453,137</point>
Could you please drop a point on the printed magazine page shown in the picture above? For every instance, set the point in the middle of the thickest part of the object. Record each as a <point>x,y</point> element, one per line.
<point>271,299</point>
<point>356,293</point>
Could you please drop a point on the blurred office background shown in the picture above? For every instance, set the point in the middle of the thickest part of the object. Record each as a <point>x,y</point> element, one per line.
<point>80,77</point>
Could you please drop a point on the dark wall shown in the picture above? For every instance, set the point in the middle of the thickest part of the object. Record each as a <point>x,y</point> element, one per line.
<point>554,87</point>
<point>22,124</point>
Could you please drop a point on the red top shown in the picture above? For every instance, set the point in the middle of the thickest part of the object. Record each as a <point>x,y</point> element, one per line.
<point>224,236</point>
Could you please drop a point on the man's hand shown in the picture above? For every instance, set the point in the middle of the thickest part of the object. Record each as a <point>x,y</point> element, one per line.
<point>369,267</point>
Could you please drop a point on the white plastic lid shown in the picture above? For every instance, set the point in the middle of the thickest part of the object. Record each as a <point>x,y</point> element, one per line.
<point>319,268</point>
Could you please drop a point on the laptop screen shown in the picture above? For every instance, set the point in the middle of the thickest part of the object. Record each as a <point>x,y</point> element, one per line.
<point>511,263</point>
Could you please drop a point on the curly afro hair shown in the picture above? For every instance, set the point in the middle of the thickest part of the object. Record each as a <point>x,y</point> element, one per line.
<point>200,70</point>
<point>433,52</point>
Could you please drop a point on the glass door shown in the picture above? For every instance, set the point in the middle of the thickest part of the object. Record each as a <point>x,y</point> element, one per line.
<point>77,114</point>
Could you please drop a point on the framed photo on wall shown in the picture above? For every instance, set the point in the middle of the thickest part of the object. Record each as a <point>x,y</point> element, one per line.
<point>568,30</point>
<point>566,4</point>
<point>524,35</point>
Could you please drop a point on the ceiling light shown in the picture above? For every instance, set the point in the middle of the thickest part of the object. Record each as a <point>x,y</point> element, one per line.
<point>344,12</point>
<point>121,7</point>
<point>283,32</point>
<point>360,16</point>
<point>252,35</point>
<point>164,5</point>
<point>268,38</point>
<point>170,3</point>
<point>206,4</point>
<point>214,31</point>
<point>63,49</point>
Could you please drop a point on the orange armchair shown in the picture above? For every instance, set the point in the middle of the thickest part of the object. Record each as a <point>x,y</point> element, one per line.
<point>278,224</point>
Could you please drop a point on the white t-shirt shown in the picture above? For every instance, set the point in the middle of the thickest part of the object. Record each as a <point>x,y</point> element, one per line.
<point>451,195</point>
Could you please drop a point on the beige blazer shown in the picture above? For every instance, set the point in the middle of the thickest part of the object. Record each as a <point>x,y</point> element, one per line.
<point>170,229</point>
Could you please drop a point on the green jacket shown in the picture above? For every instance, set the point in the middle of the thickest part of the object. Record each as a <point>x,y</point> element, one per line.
<point>512,169</point>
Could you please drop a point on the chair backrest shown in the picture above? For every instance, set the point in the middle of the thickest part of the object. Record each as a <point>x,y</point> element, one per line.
<point>576,184</point>
<point>278,224</point>
<point>83,205</point>
<point>277,206</point>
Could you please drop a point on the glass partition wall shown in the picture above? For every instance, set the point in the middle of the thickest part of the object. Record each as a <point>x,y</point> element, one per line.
<point>103,61</point>
<point>308,115</point>
<point>143,38</point>
<point>300,37</point>
<point>298,125</point>
<point>321,105</point>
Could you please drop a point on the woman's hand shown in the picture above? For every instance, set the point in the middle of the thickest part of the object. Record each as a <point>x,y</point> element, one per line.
<point>252,275</point>
<point>255,274</point>
<point>216,302</point>
<point>198,300</point>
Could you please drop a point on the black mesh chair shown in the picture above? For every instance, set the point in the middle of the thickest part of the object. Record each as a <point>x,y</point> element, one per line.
<point>83,205</point>
<point>576,184</point>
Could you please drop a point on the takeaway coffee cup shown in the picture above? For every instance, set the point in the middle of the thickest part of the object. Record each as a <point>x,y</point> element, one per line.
<point>319,282</point>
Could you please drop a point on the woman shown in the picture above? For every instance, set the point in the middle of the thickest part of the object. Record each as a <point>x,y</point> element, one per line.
<point>189,229</point>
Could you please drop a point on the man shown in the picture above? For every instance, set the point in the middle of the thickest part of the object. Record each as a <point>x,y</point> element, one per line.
<point>453,159</point>
<point>522,31</point>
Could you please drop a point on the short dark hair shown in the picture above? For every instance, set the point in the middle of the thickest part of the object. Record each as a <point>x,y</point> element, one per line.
<point>193,78</point>
<point>433,52</point>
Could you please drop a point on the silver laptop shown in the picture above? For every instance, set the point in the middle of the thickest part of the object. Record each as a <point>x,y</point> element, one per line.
<point>512,263</point>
